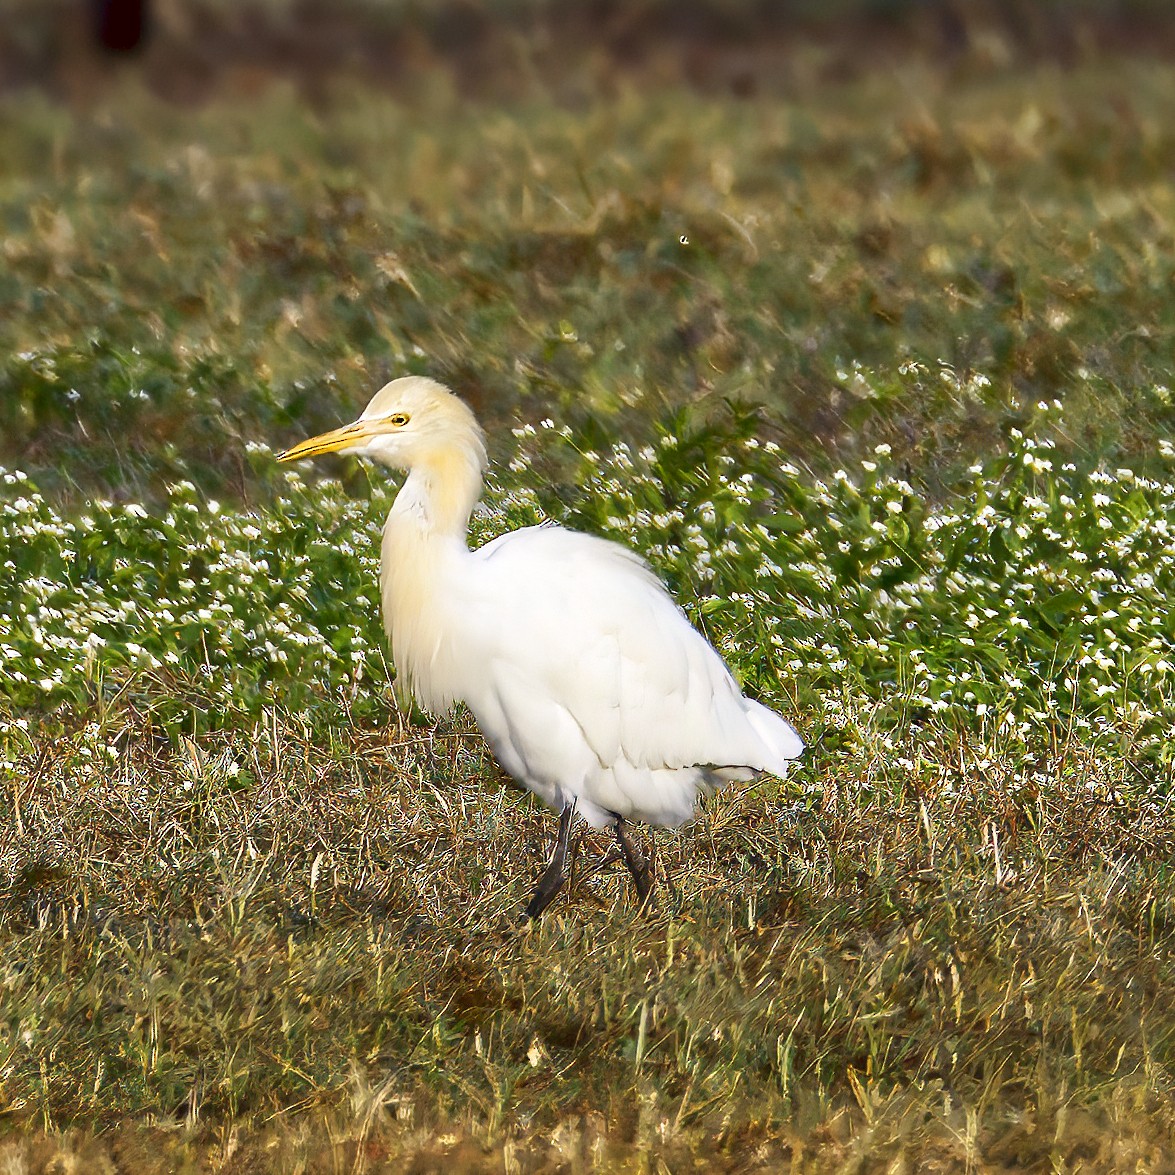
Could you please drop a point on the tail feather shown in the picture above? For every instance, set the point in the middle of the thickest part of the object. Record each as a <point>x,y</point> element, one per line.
<point>778,736</point>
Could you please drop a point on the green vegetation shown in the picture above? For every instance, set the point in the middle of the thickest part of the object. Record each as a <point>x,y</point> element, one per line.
<point>177,283</point>
<point>876,375</point>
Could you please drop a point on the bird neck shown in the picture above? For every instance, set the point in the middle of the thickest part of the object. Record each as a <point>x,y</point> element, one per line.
<point>440,492</point>
<point>424,557</point>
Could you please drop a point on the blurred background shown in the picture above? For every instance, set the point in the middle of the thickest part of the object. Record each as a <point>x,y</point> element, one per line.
<point>188,50</point>
<point>872,222</point>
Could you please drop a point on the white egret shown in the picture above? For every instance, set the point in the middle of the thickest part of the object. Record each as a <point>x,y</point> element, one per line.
<point>590,685</point>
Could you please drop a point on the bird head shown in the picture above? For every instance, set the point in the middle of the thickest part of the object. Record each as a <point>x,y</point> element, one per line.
<point>409,422</point>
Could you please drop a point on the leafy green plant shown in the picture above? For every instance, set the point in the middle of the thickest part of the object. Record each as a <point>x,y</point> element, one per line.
<point>193,605</point>
<point>1032,601</point>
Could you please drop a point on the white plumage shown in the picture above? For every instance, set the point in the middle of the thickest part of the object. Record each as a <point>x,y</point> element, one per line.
<point>587,680</point>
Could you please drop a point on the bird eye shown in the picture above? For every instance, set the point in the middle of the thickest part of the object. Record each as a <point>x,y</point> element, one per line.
<point>399,420</point>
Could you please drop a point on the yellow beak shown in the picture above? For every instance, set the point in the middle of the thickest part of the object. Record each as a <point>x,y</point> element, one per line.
<point>330,442</point>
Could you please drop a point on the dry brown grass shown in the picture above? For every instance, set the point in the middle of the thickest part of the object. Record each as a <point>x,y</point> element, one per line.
<point>323,969</point>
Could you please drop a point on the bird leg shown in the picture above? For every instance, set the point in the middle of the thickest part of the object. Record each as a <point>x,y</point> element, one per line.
<point>641,870</point>
<point>555,874</point>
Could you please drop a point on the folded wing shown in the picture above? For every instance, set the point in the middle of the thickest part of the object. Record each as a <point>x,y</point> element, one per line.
<point>593,639</point>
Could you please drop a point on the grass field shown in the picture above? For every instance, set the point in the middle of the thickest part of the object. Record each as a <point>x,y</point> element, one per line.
<point>873,365</point>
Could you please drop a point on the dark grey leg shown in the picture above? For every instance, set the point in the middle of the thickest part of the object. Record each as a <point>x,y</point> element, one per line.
<point>555,874</point>
<point>641,870</point>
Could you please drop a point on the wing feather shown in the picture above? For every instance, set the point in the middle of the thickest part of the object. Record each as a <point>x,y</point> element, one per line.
<point>591,630</point>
